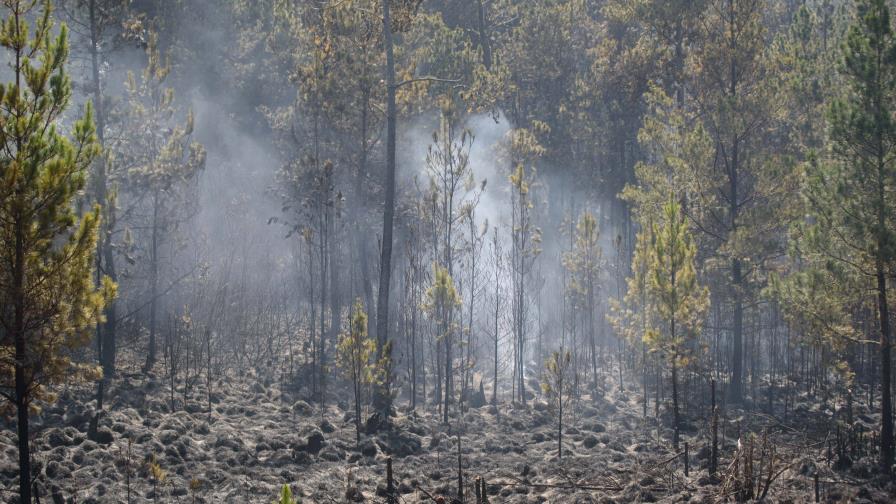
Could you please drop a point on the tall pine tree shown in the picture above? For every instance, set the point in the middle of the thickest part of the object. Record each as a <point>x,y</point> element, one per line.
<point>853,198</point>
<point>50,304</point>
<point>676,298</point>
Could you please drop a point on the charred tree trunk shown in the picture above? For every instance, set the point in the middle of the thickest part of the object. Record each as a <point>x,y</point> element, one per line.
<point>384,349</point>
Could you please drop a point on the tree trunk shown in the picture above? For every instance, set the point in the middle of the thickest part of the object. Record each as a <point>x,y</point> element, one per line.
<point>675,413</point>
<point>384,350</point>
<point>560,416</point>
<point>886,427</point>
<point>484,42</point>
<point>495,363</point>
<point>19,338</point>
<point>154,283</point>
<point>106,252</point>
<point>448,373</point>
<point>591,339</point>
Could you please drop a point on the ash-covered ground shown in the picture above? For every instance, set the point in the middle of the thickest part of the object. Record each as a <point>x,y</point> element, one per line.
<point>260,435</point>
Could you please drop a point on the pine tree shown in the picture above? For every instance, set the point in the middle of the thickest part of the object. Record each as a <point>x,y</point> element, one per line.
<point>355,357</point>
<point>442,301</point>
<point>50,302</point>
<point>523,150</point>
<point>631,317</point>
<point>736,196</point>
<point>161,161</point>
<point>558,383</point>
<point>676,298</point>
<point>286,496</point>
<point>585,263</point>
<point>853,198</point>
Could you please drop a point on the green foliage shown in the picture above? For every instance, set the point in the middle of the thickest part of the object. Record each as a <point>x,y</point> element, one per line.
<point>632,317</point>
<point>586,259</point>
<point>844,249</point>
<point>679,148</point>
<point>558,384</point>
<point>676,299</point>
<point>159,153</point>
<point>356,351</point>
<point>848,195</point>
<point>158,474</point>
<point>50,302</point>
<point>441,297</point>
<point>557,380</point>
<point>286,496</point>
<point>854,196</point>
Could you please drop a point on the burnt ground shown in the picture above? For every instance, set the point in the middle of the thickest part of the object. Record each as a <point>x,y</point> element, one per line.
<point>260,435</point>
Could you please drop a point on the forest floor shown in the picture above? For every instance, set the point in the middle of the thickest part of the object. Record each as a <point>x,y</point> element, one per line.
<point>260,436</point>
